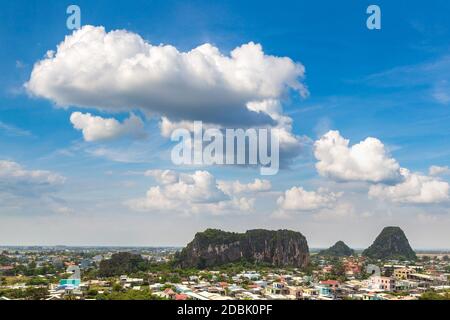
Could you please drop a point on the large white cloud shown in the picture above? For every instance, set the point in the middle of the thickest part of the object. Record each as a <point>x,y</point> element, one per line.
<point>415,189</point>
<point>290,144</point>
<point>119,70</point>
<point>186,193</point>
<point>298,199</point>
<point>96,128</point>
<point>366,161</point>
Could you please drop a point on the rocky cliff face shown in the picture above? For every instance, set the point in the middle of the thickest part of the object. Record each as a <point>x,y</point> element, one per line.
<point>339,249</point>
<point>391,243</point>
<point>215,247</point>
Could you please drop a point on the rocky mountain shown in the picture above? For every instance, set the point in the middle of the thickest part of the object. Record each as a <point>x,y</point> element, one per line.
<point>216,247</point>
<point>391,243</point>
<point>339,249</point>
<point>121,263</point>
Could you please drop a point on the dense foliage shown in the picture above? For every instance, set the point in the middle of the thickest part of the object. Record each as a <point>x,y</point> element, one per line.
<point>128,295</point>
<point>339,249</point>
<point>432,295</point>
<point>26,294</point>
<point>122,263</point>
<point>391,243</point>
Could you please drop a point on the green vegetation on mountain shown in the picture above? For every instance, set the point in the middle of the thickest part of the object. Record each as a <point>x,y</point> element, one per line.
<point>122,263</point>
<point>339,249</point>
<point>214,247</point>
<point>391,243</point>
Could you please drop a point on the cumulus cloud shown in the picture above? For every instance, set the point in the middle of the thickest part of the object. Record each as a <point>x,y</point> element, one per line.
<point>298,199</point>
<point>186,193</point>
<point>163,176</point>
<point>415,189</point>
<point>236,205</point>
<point>119,71</point>
<point>366,161</point>
<point>29,191</point>
<point>167,127</point>
<point>237,187</point>
<point>20,187</point>
<point>199,187</point>
<point>290,145</point>
<point>96,128</point>
<point>341,211</point>
<point>437,170</point>
<point>12,173</point>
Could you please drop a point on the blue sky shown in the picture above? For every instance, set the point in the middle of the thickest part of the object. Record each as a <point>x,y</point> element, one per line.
<point>391,84</point>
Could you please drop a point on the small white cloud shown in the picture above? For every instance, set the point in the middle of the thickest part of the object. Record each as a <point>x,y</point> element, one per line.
<point>297,200</point>
<point>366,161</point>
<point>342,211</point>
<point>236,205</point>
<point>181,190</point>
<point>96,128</point>
<point>236,187</point>
<point>23,188</point>
<point>187,194</point>
<point>163,176</point>
<point>415,189</point>
<point>12,173</point>
<point>438,171</point>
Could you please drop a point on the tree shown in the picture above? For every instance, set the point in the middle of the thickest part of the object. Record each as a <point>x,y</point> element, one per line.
<point>145,294</point>
<point>432,295</point>
<point>92,293</point>
<point>117,287</point>
<point>338,269</point>
<point>37,281</point>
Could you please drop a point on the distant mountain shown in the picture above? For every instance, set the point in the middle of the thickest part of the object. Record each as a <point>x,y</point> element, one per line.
<point>216,247</point>
<point>339,249</point>
<point>391,243</point>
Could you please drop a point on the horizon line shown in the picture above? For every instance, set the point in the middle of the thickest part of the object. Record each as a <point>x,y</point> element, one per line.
<point>445,250</point>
